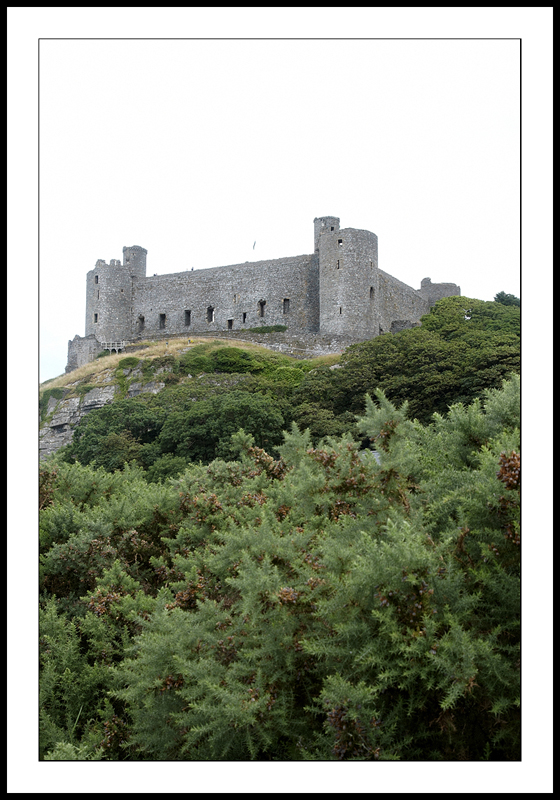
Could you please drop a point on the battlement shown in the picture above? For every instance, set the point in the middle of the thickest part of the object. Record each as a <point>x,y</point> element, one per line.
<point>336,291</point>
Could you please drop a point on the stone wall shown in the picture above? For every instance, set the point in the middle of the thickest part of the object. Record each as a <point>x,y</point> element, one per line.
<point>432,292</point>
<point>81,351</point>
<point>237,297</point>
<point>397,301</point>
<point>338,291</point>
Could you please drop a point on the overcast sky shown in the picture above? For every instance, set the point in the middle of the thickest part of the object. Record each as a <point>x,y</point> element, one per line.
<point>195,149</point>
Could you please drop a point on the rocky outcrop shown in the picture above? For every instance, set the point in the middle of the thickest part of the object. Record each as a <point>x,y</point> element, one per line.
<point>62,415</point>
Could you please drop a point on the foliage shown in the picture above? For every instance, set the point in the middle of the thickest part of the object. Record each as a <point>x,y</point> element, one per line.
<point>128,362</point>
<point>456,317</point>
<point>507,299</point>
<point>84,388</point>
<point>269,329</point>
<point>121,426</point>
<point>463,347</point>
<point>194,362</point>
<point>316,604</point>
<point>203,430</point>
<point>233,359</point>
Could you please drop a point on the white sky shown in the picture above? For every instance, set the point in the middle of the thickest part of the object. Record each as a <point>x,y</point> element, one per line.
<point>194,150</point>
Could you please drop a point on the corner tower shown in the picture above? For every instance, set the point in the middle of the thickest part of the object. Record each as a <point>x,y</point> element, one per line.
<point>134,258</point>
<point>324,225</point>
<point>109,295</point>
<point>348,279</point>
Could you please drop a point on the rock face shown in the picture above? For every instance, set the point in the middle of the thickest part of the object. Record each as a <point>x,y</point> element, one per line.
<point>63,415</point>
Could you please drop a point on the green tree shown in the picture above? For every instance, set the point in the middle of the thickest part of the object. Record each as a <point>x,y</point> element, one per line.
<point>319,604</point>
<point>507,299</point>
<point>203,431</point>
<point>122,425</point>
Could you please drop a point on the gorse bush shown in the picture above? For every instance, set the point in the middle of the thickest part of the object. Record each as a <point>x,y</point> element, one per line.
<point>129,362</point>
<point>319,603</point>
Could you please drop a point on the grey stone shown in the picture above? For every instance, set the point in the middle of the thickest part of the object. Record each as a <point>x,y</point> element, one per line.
<point>337,292</point>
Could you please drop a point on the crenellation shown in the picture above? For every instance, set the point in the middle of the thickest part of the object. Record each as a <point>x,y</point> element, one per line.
<point>337,292</point>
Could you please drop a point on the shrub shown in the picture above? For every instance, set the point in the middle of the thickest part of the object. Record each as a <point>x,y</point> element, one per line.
<point>84,388</point>
<point>194,363</point>
<point>269,329</point>
<point>233,359</point>
<point>128,362</point>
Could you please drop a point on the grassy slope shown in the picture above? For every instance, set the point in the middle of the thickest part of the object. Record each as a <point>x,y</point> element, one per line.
<point>96,373</point>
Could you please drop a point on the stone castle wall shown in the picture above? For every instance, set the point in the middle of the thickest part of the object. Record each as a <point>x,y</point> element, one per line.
<point>338,292</point>
<point>397,301</point>
<point>237,297</point>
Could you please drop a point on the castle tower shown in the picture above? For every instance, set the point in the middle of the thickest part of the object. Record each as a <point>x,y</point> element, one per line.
<point>324,225</point>
<point>109,295</point>
<point>348,280</point>
<point>135,259</point>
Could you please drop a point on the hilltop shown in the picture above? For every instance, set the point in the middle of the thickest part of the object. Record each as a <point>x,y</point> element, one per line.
<point>148,369</point>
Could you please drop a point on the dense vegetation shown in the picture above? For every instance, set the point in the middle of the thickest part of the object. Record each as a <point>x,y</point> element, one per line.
<point>209,593</point>
<point>463,347</point>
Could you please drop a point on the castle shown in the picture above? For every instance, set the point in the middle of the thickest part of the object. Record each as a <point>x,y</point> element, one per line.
<point>337,292</point>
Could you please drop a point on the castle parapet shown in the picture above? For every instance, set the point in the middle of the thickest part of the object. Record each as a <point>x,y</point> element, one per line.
<point>432,292</point>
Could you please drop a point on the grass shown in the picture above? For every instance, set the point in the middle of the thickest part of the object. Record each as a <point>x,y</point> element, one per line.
<point>92,372</point>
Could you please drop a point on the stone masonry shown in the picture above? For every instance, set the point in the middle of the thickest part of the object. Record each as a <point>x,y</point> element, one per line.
<point>337,293</point>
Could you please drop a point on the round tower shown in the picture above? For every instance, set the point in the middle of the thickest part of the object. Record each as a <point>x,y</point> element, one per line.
<point>109,296</point>
<point>348,281</point>
<point>324,225</point>
<point>134,258</point>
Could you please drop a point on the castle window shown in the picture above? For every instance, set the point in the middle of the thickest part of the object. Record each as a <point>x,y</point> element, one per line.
<point>340,310</point>
<point>338,264</point>
<point>371,292</point>
<point>95,317</point>
<point>187,317</point>
<point>244,317</point>
<point>162,321</point>
<point>210,314</point>
<point>97,278</point>
<point>340,242</point>
<point>98,294</point>
<point>332,227</point>
<point>286,306</point>
<point>140,323</point>
<point>262,304</point>
<point>230,324</point>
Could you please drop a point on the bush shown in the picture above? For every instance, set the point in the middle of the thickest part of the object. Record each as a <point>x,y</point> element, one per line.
<point>84,388</point>
<point>320,605</point>
<point>233,359</point>
<point>269,329</point>
<point>128,362</point>
<point>194,363</point>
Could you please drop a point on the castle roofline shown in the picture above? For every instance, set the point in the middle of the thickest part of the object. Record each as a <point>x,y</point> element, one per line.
<point>244,264</point>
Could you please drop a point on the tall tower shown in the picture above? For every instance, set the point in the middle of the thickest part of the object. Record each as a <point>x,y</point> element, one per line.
<point>348,279</point>
<point>324,225</point>
<point>109,295</point>
<point>134,258</point>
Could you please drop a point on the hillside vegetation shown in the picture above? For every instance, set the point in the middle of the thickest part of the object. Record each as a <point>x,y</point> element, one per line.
<point>211,388</point>
<point>280,591</point>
